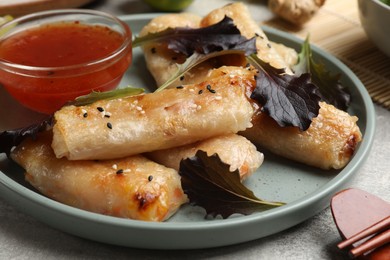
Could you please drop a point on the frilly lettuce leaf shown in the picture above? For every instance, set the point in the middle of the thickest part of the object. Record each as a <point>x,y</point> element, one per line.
<point>217,37</point>
<point>290,100</point>
<point>208,183</point>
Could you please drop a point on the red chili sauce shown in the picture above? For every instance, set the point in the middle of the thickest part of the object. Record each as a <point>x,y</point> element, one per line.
<point>58,45</point>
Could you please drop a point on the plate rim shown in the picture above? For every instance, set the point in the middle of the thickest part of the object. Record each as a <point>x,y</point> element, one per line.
<point>325,191</point>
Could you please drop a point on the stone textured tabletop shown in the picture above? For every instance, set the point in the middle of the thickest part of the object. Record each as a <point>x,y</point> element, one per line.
<point>23,237</point>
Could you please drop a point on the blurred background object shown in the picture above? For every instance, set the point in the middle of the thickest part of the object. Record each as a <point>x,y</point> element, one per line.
<point>169,5</point>
<point>21,7</point>
<point>375,19</point>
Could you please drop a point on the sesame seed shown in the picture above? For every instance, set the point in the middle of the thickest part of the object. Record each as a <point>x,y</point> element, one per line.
<point>191,90</point>
<point>198,107</point>
<point>179,87</point>
<point>114,166</point>
<point>109,125</point>
<point>85,114</point>
<point>120,171</point>
<point>83,111</point>
<point>182,77</point>
<point>127,170</point>
<point>107,114</point>
<point>210,89</point>
<point>200,91</point>
<point>153,50</point>
<point>218,98</point>
<point>142,112</point>
<point>269,45</point>
<point>100,109</point>
<point>150,178</point>
<point>138,108</point>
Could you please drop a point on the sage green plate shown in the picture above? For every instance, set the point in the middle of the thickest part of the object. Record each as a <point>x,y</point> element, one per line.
<point>306,190</point>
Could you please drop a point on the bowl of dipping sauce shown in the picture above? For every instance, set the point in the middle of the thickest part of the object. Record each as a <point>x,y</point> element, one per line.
<point>375,18</point>
<point>49,58</point>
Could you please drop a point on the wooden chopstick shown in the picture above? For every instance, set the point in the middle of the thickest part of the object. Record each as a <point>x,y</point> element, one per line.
<point>375,242</point>
<point>375,228</point>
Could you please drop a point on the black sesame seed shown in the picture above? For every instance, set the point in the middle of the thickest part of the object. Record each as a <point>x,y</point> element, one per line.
<point>120,171</point>
<point>85,114</point>
<point>257,35</point>
<point>109,125</point>
<point>210,89</point>
<point>108,116</point>
<point>100,109</point>
<point>269,45</point>
<point>200,91</point>
<point>247,65</point>
<point>182,77</point>
<point>153,50</point>
<point>179,87</point>
<point>150,178</point>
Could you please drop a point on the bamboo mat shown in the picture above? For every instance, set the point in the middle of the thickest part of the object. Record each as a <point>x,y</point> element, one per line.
<point>336,28</point>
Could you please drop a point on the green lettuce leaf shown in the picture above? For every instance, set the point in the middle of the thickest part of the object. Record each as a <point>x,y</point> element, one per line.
<point>112,94</point>
<point>330,89</point>
<point>208,183</point>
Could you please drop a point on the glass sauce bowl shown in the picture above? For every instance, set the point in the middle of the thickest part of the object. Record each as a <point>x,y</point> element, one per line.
<point>49,58</point>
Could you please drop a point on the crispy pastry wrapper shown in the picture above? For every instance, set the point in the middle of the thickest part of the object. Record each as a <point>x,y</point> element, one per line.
<point>154,121</point>
<point>329,143</point>
<point>233,149</point>
<point>132,187</point>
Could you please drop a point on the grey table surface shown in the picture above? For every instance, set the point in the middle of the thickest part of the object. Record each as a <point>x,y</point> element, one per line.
<point>23,237</point>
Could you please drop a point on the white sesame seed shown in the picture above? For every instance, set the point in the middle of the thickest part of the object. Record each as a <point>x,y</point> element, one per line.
<point>108,114</point>
<point>138,108</point>
<point>199,107</point>
<point>191,90</point>
<point>218,98</point>
<point>142,112</point>
<point>126,170</point>
<point>83,111</point>
<point>114,166</point>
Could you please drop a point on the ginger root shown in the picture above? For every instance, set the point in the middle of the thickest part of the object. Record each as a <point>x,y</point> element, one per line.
<point>295,11</point>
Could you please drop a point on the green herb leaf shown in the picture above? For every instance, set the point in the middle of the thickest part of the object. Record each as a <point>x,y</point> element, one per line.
<point>191,62</point>
<point>217,37</point>
<point>330,89</point>
<point>11,138</point>
<point>113,94</point>
<point>290,100</point>
<point>208,183</point>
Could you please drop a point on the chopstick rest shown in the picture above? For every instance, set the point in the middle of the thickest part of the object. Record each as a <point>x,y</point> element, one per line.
<point>363,221</point>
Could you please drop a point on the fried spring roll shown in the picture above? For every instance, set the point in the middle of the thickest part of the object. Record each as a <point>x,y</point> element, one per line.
<point>132,187</point>
<point>154,121</point>
<point>249,28</point>
<point>162,62</point>
<point>328,143</point>
<point>234,150</point>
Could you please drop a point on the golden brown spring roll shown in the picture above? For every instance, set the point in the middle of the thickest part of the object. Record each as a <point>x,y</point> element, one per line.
<point>154,121</point>
<point>233,149</point>
<point>329,142</point>
<point>162,62</point>
<point>249,28</point>
<point>132,187</point>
